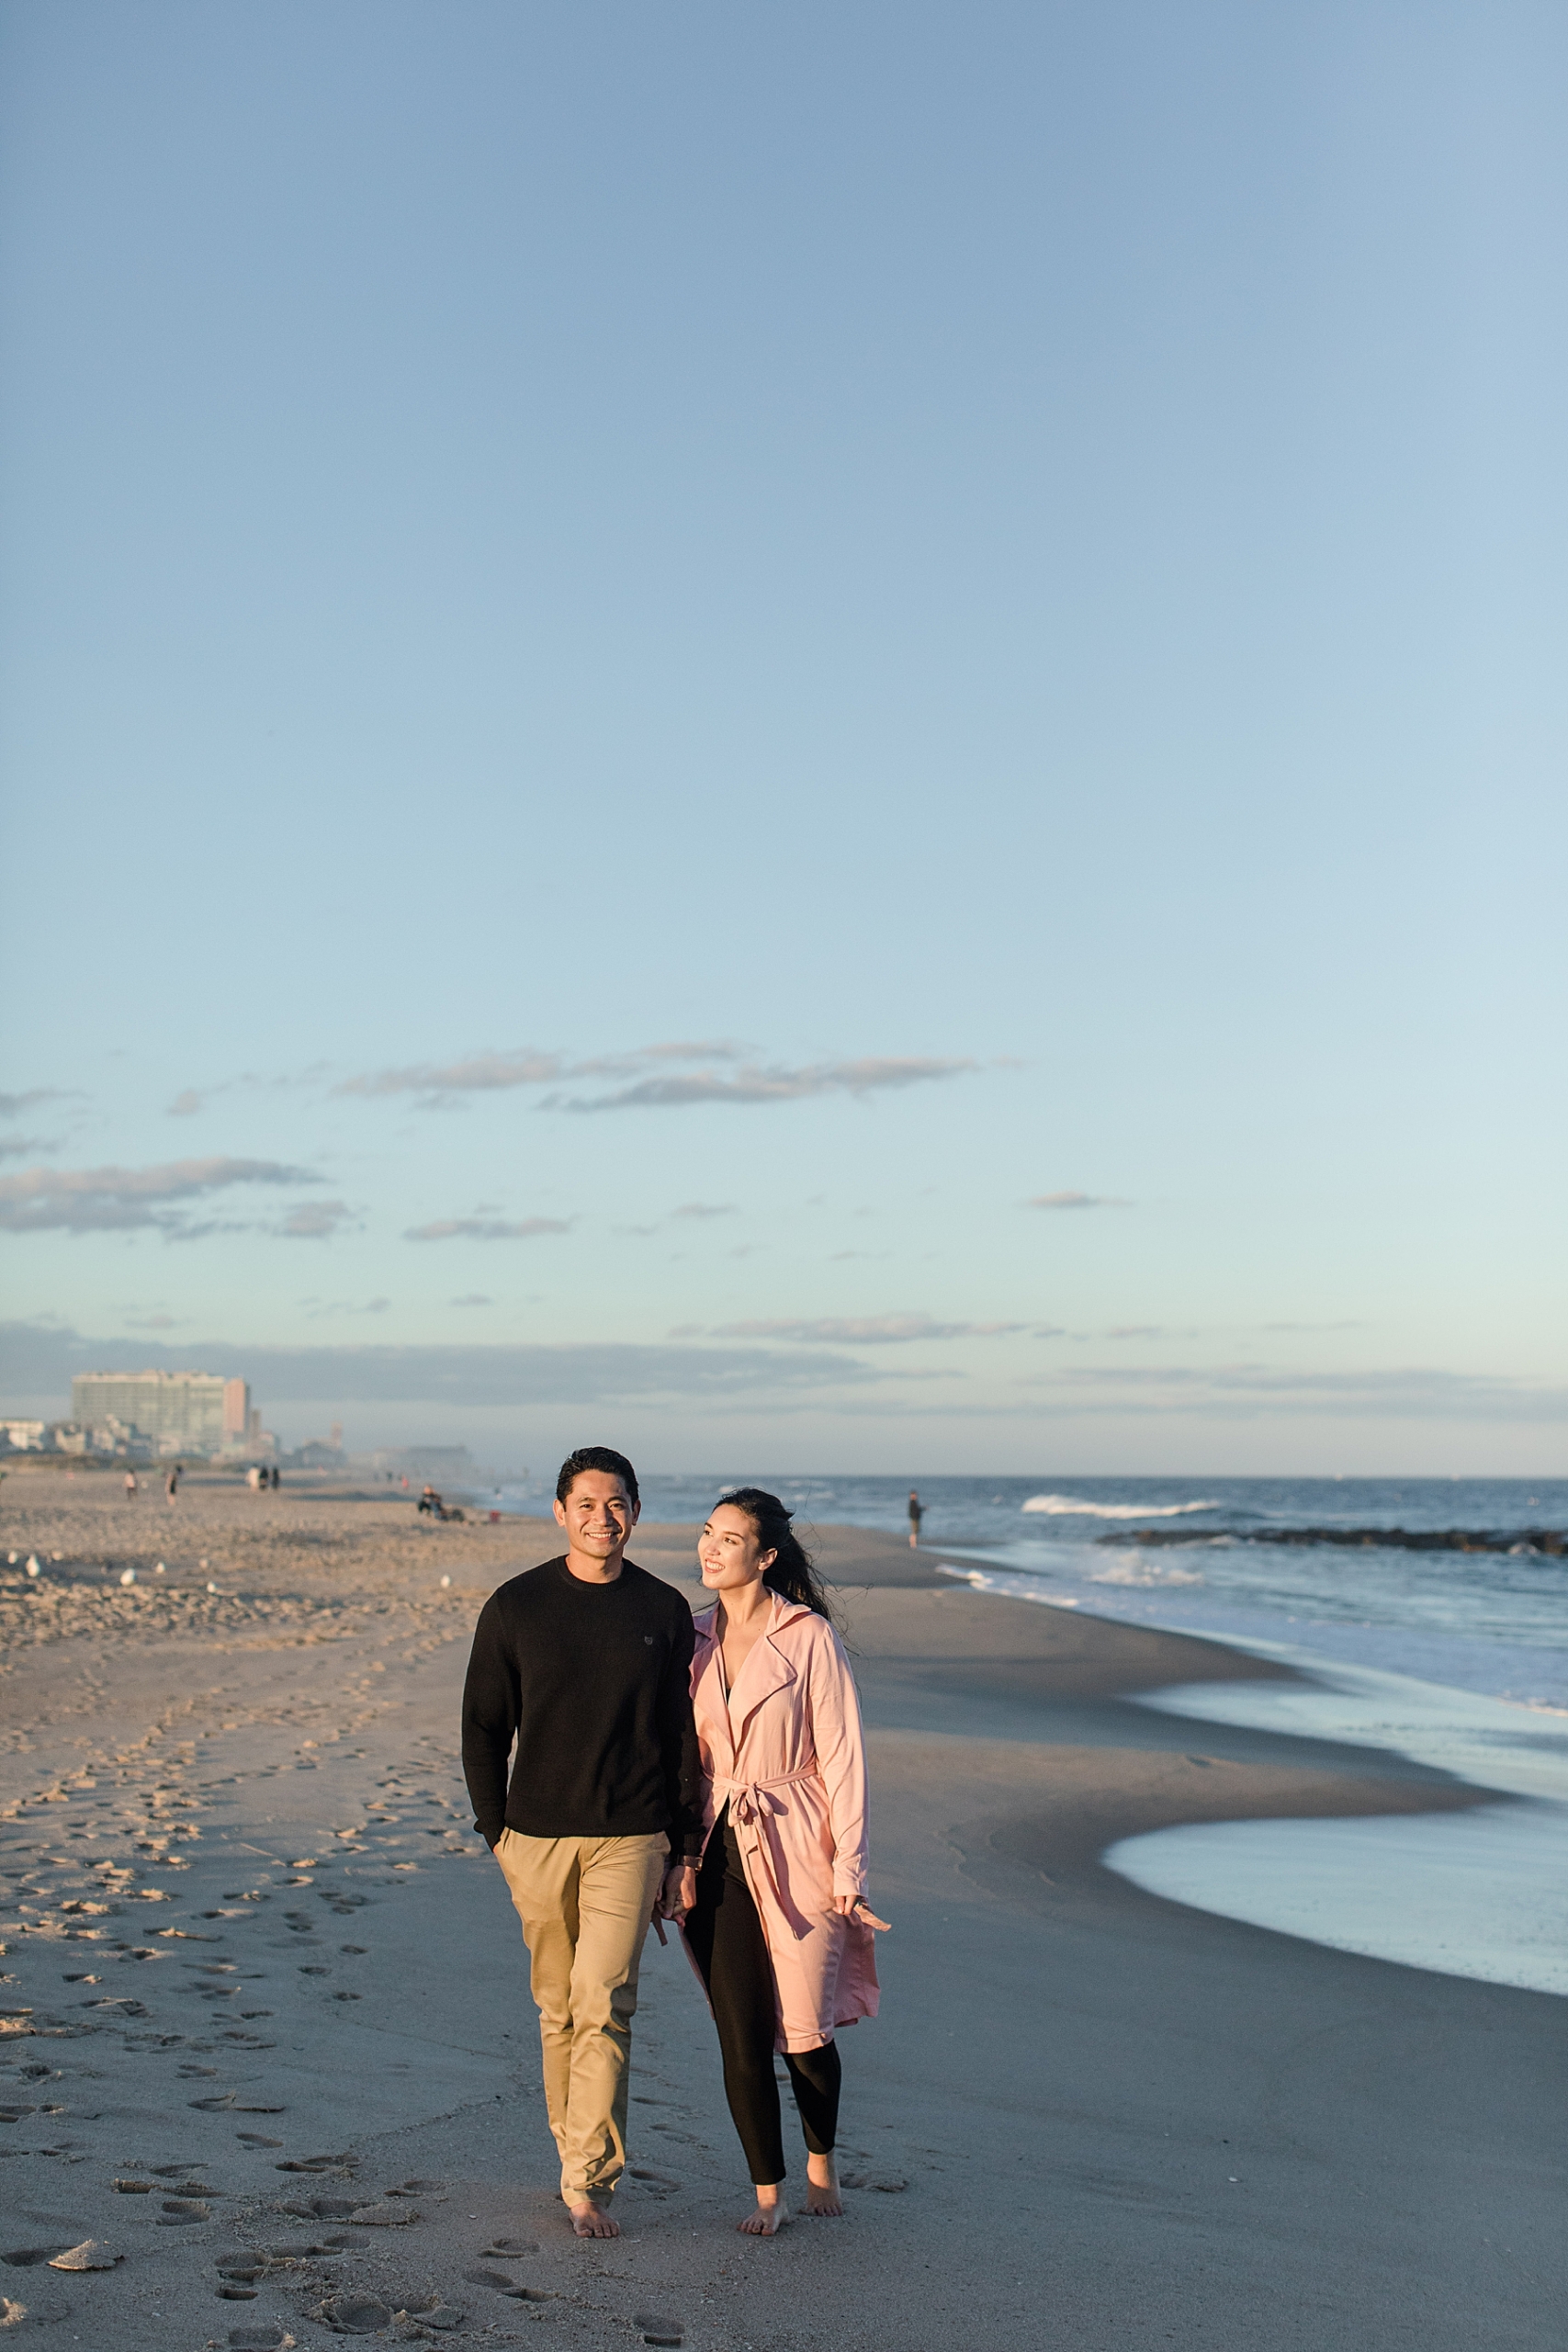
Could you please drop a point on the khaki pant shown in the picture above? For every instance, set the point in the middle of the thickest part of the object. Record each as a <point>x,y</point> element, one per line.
<point>585,1904</point>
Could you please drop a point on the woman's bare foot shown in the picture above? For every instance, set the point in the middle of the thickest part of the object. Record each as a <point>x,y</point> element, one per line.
<point>822,2196</point>
<point>772,2212</point>
<point>590,2221</point>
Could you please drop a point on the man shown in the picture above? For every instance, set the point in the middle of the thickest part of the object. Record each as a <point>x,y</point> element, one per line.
<point>586,1662</point>
<point>917,1512</point>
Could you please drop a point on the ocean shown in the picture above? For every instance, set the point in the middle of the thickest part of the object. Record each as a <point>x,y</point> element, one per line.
<point>1403,1639</point>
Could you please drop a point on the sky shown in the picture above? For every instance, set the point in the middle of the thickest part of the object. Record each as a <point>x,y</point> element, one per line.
<point>826,739</point>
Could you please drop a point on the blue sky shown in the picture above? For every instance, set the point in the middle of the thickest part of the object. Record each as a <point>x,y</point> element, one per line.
<point>819,739</point>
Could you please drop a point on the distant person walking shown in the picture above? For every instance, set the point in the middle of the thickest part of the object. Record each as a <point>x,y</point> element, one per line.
<point>171,1484</point>
<point>586,1663</point>
<point>781,1930</point>
<point>130,1488</point>
<point>917,1512</point>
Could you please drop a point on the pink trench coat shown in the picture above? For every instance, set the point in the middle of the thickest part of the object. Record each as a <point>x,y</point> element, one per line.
<point>786,1752</point>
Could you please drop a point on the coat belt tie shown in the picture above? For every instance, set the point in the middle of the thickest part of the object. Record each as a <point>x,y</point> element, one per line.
<point>753,1805</point>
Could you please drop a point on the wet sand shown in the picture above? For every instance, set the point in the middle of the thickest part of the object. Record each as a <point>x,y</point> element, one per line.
<point>260,1971</point>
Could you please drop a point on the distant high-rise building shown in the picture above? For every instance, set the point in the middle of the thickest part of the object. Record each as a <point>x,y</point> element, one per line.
<point>178,1410</point>
<point>236,1412</point>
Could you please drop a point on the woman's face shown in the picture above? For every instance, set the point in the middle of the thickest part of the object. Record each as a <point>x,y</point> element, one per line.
<point>731,1550</point>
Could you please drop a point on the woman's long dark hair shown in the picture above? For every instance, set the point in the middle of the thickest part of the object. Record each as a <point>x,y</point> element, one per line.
<point>792,1575</point>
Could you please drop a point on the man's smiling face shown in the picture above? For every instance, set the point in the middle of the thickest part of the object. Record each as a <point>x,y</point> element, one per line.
<point>598,1514</point>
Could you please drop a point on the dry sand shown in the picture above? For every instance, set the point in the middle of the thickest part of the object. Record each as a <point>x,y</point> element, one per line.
<point>268,2039</point>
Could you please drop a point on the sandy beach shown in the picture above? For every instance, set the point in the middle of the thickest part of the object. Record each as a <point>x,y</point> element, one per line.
<point>268,2040</point>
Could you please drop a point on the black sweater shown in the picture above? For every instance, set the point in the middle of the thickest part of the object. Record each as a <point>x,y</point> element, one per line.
<point>593,1681</point>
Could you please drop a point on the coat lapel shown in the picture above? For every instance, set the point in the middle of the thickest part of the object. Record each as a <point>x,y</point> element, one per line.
<point>707,1688</point>
<point>766,1671</point>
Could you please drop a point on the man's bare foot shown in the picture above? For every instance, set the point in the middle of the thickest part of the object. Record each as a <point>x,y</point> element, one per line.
<point>822,2196</point>
<point>772,2212</point>
<point>590,2221</point>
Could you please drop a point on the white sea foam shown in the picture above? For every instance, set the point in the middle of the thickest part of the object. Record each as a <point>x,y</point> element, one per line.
<point>1140,1571</point>
<point>1069,1507</point>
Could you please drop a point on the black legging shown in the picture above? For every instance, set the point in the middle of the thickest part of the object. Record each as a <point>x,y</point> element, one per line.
<point>728,1944</point>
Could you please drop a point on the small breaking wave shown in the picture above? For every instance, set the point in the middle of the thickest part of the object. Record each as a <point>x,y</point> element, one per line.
<point>1144,1572</point>
<point>1069,1507</point>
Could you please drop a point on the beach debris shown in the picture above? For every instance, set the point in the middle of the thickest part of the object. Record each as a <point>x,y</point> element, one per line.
<point>355,2314</point>
<point>32,1563</point>
<point>41,2309</point>
<point>211,1588</point>
<point>656,2330</point>
<point>446,1584</point>
<point>134,2188</point>
<point>128,1576</point>
<point>91,2255</point>
<point>160,1570</point>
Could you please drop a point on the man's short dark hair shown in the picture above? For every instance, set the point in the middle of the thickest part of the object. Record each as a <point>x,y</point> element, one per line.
<point>596,1457</point>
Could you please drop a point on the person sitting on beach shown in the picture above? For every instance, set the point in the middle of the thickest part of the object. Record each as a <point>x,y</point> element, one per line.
<point>586,1663</point>
<point>780,1931</point>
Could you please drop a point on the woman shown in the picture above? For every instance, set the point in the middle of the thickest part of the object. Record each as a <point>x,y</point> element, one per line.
<point>780,1932</point>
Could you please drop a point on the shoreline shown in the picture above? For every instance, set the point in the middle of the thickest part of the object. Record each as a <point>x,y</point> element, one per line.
<point>248,1926</point>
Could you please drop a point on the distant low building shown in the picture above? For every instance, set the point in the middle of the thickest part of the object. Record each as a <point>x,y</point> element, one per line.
<point>24,1437</point>
<point>442,1465</point>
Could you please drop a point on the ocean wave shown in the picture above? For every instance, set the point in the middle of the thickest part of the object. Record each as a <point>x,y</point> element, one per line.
<point>1069,1507</point>
<point>1144,1572</point>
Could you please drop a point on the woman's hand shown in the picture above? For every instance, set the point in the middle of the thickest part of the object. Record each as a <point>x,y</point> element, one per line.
<point>678,1893</point>
<point>855,1907</point>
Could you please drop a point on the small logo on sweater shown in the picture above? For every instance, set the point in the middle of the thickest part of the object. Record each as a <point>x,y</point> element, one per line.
<point>648,1639</point>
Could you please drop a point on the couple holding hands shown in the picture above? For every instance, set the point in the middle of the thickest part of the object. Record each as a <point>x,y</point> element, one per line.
<point>711,1772</point>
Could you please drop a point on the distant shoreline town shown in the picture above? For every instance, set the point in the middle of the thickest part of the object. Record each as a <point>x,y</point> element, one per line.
<point>201,1416</point>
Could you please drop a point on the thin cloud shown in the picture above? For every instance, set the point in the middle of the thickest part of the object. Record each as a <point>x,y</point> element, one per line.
<point>95,1200</point>
<point>1077,1201</point>
<point>705,1208</point>
<point>194,1099</point>
<point>472,1298</point>
<point>865,1331</point>
<point>486,1229</point>
<point>13,1105</point>
<point>314,1221</point>
<point>36,1360</point>
<point>649,1081</point>
<point>18,1146</point>
<point>478,1074</point>
<point>755,1083</point>
<point>1411,1393</point>
<point>153,1322</point>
